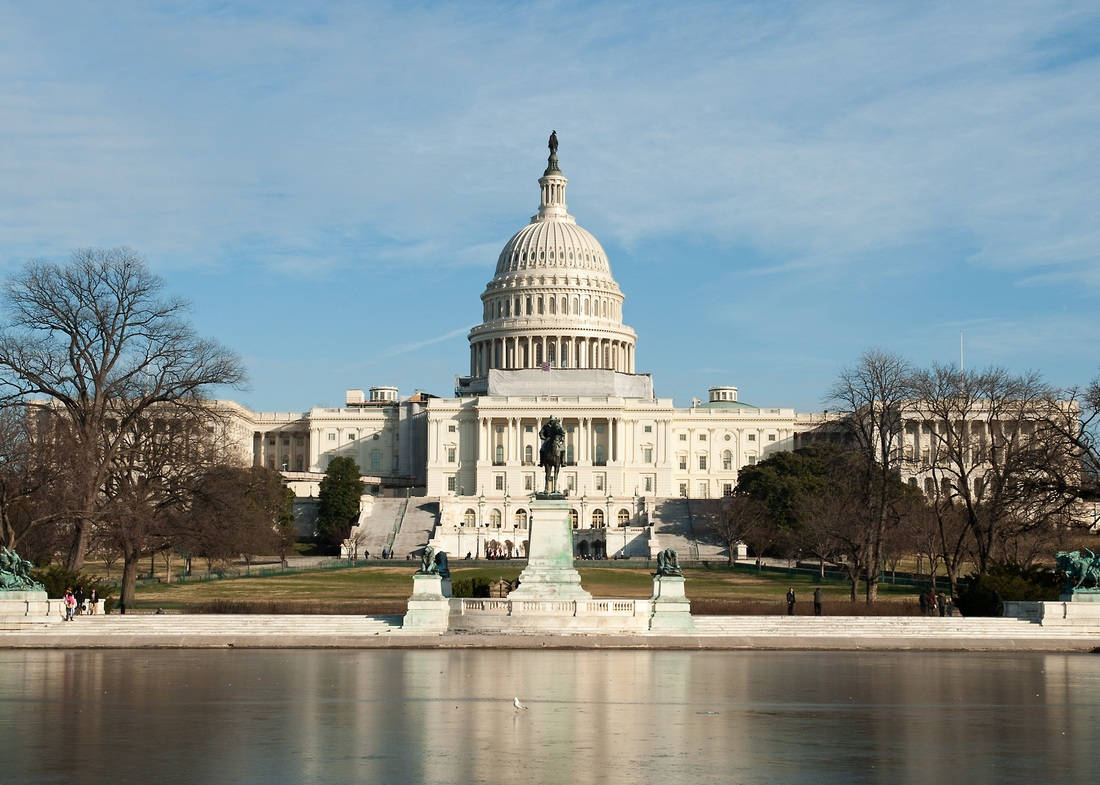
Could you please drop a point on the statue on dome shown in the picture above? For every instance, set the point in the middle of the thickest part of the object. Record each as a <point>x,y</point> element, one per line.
<point>552,452</point>
<point>553,143</point>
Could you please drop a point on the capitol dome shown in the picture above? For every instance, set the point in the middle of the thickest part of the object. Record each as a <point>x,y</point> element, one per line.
<point>552,301</point>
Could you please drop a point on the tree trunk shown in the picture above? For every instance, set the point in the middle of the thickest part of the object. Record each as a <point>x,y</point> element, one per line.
<point>871,588</point>
<point>822,565</point>
<point>129,575</point>
<point>854,581</point>
<point>75,558</point>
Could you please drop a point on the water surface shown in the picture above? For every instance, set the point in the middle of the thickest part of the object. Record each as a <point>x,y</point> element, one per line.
<point>600,717</point>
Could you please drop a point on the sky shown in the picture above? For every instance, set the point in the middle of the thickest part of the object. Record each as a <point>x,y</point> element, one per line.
<point>779,186</point>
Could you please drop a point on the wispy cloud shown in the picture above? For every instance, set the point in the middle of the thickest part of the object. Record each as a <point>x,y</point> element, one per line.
<point>845,144</point>
<point>407,348</point>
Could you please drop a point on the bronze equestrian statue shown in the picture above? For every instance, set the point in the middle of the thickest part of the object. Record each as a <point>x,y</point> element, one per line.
<point>552,452</point>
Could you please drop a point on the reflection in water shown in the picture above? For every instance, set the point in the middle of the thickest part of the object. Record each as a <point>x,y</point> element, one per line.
<point>594,716</point>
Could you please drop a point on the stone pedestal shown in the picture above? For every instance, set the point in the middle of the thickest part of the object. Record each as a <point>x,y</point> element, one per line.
<point>428,608</point>
<point>22,608</point>
<point>550,574</point>
<point>671,608</point>
<point>1078,613</point>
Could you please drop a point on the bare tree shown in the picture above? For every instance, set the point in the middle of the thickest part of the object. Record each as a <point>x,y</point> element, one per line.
<point>737,518</point>
<point>149,492</point>
<point>992,455</point>
<point>96,338</point>
<point>873,395</point>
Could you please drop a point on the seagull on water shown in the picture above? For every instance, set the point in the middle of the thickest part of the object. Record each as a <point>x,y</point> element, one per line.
<point>518,705</point>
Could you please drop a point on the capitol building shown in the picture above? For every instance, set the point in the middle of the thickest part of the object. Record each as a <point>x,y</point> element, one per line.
<point>552,341</point>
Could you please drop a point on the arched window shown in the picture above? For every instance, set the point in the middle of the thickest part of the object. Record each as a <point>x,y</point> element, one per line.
<point>573,518</point>
<point>624,517</point>
<point>569,454</point>
<point>553,305</point>
<point>470,518</point>
<point>494,518</point>
<point>565,305</point>
<point>597,519</point>
<point>576,310</point>
<point>727,460</point>
<point>599,455</point>
<point>528,454</point>
<point>521,519</point>
<point>500,454</point>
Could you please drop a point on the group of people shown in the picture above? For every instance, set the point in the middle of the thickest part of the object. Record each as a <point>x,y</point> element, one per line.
<point>792,599</point>
<point>76,603</point>
<point>936,604</point>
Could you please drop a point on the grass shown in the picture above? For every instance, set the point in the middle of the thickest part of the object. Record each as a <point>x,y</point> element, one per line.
<point>378,589</point>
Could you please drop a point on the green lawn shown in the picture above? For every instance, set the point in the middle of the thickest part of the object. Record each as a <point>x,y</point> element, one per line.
<point>379,589</point>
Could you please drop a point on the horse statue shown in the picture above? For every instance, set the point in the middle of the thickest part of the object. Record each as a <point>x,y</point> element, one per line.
<point>552,452</point>
<point>1078,570</point>
<point>668,563</point>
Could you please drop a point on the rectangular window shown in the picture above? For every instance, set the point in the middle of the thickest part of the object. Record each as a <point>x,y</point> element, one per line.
<point>648,454</point>
<point>683,437</point>
<point>498,481</point>
<point>528,429</point>
<point>351,437</point>
<point>752,437</point>
<point>771,437</point>
<point>703,490</point>
<point>451,483</point>
<point>450,455</point>
<point>332,437</point>
<point>599,482</point>
<point>649,429</point>
<point>571,482</point>
<point>648,484</point>
<point>727,489</point>
<point>702,461</point>
<point>752,460</point>
<point>451,428</point>
<point>528,482</point>
<point>684,489</point>
<point>683,462</point>
<point>702,437</point>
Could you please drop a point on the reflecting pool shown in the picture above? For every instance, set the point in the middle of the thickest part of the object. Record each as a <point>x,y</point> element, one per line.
<point>603,717</point>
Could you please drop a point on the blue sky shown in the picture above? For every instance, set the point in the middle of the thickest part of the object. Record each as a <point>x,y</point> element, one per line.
<point>779,186</point>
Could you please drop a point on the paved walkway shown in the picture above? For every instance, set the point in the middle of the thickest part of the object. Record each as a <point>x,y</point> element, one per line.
<point>712,632</point>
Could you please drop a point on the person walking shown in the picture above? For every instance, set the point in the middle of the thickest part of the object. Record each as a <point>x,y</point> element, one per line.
<point>790,601</point>
<point>70,604</point>
<point>817,601</point>
<point>93,600</point>
<point>941,604</point>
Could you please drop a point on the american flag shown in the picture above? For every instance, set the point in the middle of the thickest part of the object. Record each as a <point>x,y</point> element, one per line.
<point>544,366</point>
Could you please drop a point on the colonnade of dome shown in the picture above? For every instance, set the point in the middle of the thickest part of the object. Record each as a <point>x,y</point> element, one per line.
<point>553,299</point>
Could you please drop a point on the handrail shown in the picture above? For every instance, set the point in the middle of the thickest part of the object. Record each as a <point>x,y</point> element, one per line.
<point>693,543</point>
<point>399,522</point>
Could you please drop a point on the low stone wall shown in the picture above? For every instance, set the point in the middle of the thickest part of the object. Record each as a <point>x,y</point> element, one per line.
<point>540,616</point>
